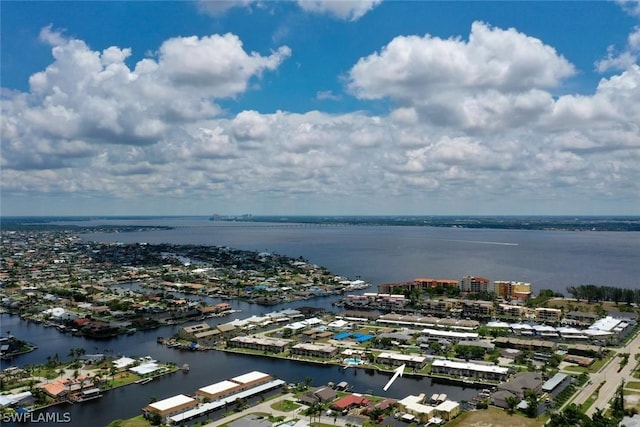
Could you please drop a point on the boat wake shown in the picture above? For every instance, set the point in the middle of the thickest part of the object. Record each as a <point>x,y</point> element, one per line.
<point>482,242</point>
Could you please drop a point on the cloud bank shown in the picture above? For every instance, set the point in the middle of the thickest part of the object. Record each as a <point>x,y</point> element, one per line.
<point>473,124</point>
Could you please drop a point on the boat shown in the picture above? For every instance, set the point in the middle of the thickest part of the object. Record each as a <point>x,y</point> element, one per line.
<point>185,368</point>
<point>143,381</point>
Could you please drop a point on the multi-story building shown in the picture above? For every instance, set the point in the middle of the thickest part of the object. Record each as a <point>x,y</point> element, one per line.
<point>314,350</point>
<point>420,283</point>
<point>512,290</point>
<point>438,307</point>
<point>470,370</point>
<point>395,359</point>
<point>544,314</point>
<point>273,345</point>
<point>472,284</point>
<point>477,309</point>
<point>510,311</point>
<point>425,283</point>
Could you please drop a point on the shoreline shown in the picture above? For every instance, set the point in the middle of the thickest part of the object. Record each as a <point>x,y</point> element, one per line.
<point>443,378</point>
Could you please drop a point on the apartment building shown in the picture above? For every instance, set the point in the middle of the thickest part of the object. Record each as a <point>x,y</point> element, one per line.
<point>512,290</point>
<point>473,284</point>
<point>259,343</point>
<point>552,315</point>
<point>314,350</point>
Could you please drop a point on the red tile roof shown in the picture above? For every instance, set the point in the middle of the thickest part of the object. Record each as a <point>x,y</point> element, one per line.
<point>349,401</point>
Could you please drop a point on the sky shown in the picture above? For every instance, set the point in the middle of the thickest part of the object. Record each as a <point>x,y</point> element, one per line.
<point>315,107</point>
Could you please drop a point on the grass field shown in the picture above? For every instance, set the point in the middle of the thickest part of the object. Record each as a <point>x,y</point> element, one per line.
<point>493,417</point>
<point>285,406</point>
<point>138,421</point>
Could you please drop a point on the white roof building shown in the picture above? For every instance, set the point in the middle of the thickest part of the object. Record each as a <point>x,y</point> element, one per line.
<point>470,366</point>
<point>251,377</point>
<point>450,334</point>
<point>412,405</point>
<point>171,402</point>
<point>606,324</point>
<point>123,362</point>
<point>219,387</point>
<point>145,368</point>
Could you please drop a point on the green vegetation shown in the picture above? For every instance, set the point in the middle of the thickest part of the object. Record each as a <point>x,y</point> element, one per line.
<point>285,406</point>
<point>593,293</point>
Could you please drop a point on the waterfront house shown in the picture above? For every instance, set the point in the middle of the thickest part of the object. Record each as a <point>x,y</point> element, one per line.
<point>147,369</point>
<point>123,362</point>
<point>23,399</point>
<point>499,398</point>
<point>350,401</point>
<point>56,389</point>
<point>416,409</point>
<point>226,330</point>
<point>448,410</point>
<point>208,337</point>
<point>319,395</point>
<point>523,382</point>
<point>188,332</point>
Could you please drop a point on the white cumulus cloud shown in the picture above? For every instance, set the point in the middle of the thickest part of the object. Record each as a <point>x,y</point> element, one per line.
<point>348,10</point>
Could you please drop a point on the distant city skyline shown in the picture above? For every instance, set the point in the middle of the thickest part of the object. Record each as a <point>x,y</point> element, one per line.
<point>318,107</point>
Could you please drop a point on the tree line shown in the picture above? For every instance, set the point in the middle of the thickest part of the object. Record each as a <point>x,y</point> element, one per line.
<point>594,293</point>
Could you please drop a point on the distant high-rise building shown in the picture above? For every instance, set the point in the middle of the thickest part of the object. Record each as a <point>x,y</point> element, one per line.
<point>473,284</point>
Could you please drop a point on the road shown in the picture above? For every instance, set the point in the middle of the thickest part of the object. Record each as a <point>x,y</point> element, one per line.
<point>265,407</point>
<point>609,377</point>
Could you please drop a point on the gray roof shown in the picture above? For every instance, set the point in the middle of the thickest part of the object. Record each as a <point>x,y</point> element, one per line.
<point>483,344</point>
<point>633,421</point>
<point>554,381</point>
<point>523,381</point>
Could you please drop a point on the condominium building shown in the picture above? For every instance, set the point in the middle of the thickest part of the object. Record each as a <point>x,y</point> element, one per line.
<point>473,284</point>
<point>420,283</point>
<point>512,290</point>
<point>470,370</point>
<point>314,350</point>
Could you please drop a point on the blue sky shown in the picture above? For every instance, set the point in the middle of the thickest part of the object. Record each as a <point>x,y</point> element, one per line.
<point>320,107</point>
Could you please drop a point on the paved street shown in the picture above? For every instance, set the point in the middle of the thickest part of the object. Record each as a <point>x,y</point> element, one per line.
<point>611,377</point>
<point>265,407</point>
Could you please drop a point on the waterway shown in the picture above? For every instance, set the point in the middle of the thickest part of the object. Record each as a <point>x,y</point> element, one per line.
<point>547,259</point>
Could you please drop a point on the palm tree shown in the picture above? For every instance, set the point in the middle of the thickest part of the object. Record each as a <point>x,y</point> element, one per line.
<point>511,402</point>
<point>113,371</point>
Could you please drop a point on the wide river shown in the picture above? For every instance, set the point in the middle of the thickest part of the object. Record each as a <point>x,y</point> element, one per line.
<point>377,254</point>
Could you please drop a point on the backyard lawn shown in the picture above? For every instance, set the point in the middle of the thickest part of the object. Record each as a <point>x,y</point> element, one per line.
<point>493,417</point>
